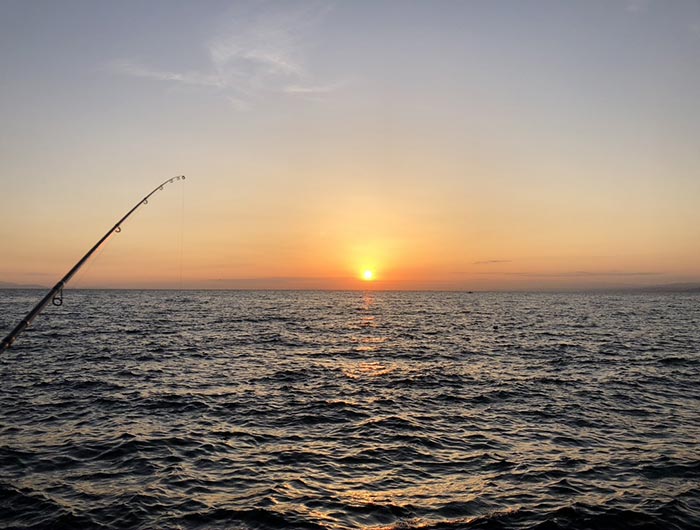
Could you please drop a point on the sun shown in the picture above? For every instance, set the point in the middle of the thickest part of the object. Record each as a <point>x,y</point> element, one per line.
<point>368,275</point>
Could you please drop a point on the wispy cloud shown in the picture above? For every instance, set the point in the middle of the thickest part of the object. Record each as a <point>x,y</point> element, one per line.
<point>637,6</point>
<point>187,78</point>
<point>311,89</point>
<point>254,55</point>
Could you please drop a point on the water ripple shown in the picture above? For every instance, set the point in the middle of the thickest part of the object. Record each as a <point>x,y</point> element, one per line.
<point>261,410</point>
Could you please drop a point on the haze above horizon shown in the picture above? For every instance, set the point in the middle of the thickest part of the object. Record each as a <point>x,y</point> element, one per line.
<point>456,146</point>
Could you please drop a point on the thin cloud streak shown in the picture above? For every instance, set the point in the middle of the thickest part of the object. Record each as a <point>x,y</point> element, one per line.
<point>585,274</point>
<point>133,69</point>
<point>318,89</point>
<point>492,261</point>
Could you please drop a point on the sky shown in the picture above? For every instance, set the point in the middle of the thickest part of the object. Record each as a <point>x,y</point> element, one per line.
<point>471,145</point>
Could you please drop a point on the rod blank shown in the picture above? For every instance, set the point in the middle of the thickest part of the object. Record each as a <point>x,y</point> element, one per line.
<point>55,295</point>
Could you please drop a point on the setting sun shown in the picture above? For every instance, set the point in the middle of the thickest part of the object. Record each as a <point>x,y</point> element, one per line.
<point>368,275</point>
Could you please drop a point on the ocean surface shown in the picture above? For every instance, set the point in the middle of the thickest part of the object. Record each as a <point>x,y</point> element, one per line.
<point>344,410</point>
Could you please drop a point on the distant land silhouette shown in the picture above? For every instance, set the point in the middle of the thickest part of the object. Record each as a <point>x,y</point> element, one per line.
<point>672,288</point>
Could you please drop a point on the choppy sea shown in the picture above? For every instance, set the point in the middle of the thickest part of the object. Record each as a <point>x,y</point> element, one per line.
<point>344,410</point>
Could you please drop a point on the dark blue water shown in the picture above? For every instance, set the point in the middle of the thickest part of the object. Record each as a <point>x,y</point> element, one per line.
<point>212,410</point>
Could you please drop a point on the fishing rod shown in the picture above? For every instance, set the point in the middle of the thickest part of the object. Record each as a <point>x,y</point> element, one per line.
<point>55,295</point>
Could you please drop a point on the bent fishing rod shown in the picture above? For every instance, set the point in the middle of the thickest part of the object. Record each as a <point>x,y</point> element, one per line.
<point>55,295</point>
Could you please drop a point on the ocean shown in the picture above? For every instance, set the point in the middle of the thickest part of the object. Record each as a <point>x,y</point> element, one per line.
<point>345,410</point>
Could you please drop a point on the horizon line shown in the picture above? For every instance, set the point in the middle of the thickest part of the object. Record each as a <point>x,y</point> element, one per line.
<point>672,287</point>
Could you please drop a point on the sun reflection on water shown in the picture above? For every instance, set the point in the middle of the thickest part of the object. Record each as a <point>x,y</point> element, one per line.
<point>364,369</point>
<point>366,341</point>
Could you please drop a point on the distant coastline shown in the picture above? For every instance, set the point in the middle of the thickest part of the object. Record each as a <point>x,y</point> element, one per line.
<point>671,288</point>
